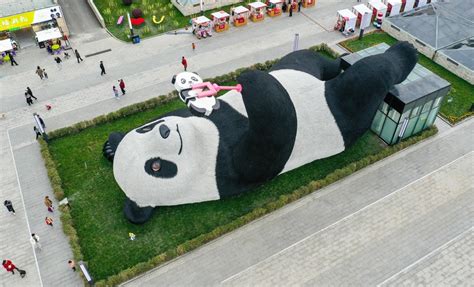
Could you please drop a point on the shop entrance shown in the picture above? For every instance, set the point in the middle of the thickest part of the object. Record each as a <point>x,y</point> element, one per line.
<point>24,37</point>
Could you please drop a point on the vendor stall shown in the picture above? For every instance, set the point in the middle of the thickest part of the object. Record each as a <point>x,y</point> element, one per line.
<point>220,21</point>
<point>308,3</point>
<point>393,7</point>
<point>50,38</point>
<point>274,7</point>
<point>364,15</point>
<point>257,11</point>
<point>202,27</point>
<point>377,6</point>
<point>407,5</point>
<point>346,21</point>
<point>6,45</point>
<point>240,15</point>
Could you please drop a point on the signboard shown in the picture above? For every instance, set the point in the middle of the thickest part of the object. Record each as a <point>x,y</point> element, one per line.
<point>23,20</point>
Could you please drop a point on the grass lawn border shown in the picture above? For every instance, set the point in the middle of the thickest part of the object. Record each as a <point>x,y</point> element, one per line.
<point>450,119</point>
<point>127,274</point>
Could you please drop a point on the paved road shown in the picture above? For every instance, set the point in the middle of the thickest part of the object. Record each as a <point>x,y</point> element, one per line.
<point>398,216</point>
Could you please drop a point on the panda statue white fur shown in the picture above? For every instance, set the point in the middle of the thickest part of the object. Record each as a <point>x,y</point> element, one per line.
<point>303,110</point>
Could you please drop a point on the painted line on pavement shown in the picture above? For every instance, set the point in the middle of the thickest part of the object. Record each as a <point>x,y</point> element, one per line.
<point>346,217</point>
<point>24,207</point>
<point>425,257</point>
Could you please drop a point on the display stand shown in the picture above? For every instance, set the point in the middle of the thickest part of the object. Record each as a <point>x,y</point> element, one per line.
<point>220,21</point>
<point>364,15</point>
<point>393,7</point>
<point>274,7</point>
<point>377,6</point>
<point>240,15</point>
<point>257,11</point>
<point>346,21</point>
<point>202,27</point>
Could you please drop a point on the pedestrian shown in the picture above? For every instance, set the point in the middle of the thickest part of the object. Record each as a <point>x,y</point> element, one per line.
<point>290,7</point>
<point>10,267</point>
<point>40,73</point>
<point>284,7</point>
<point>72,265</point>
<point>29,101</point>
<point>122,86</point>
<point>300,3</point>
<point>43,125</point>
<point>29,92</point>
<point>102,69</point>
<point>184,62</point>
<point>193,45</point>
<point>45,74</point>
<point>34,240</point>
<point>58,63</point>
<point>48,203</point>
<point>48,221</point>
<point>78,57</point>
<point>116,93</point>
<point>12,60</point>
<point>9,205</point>
<point>37,132</point>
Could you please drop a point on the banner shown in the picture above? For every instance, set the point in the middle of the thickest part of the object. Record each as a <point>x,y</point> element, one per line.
<point>24,20</point>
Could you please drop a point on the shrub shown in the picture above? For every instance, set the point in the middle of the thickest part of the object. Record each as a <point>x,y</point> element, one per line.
<point>137,13</point>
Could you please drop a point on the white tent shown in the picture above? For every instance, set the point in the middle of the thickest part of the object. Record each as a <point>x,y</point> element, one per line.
<point>364,15</point>
<point>394,7</point>
<point>45,35</point>
<point>349,19</point>
<point>6,45</point>
<point>377,7</point>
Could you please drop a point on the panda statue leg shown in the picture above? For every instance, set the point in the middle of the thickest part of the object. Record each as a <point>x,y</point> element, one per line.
<point>110,146</point>
<point>136,214</point>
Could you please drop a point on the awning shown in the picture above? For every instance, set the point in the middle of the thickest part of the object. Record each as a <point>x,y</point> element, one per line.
<point>6,45</point>
<point>240,10</point>
<point>49,34</point>
<point>257,5</point>
<point>201,20</point>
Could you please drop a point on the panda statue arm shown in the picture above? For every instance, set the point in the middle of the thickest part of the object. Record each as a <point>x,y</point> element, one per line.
<point>265,147</point>
<point>310,62</point>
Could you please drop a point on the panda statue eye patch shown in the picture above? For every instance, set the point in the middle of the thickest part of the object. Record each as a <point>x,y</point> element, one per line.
<point>161,168</point>
<point>148,128</point>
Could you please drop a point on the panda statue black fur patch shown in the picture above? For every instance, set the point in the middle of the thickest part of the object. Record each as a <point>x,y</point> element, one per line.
<point>303,110</point>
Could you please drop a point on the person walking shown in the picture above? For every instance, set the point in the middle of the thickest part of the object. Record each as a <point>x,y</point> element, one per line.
<point>9,266</point>
<point>102,68</point>
<point>78,56</point>
<point>12,59</point>
<point>193,45</point>
<point>290,7</point>
<point>122,86</point>
<point>35,241</point>
<point>300,3</point>
<point>45,74</point>
<point>284,7</point>
<point>48,203</point>
<point>58,63</point>
<point>116,93</point>
<point>37,132</point>
<point>9,205</point>
<point>29,92</point>
<point>29,101</point>
<point>40,73</point>
<point>72,265</point>
<point>48,221</point>
<point>184,62</point>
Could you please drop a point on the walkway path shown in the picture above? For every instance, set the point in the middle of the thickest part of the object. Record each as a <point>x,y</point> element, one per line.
<point>399,220</point>
<point>77,92</point>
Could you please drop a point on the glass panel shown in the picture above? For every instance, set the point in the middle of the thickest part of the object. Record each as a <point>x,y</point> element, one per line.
<point>432,117</point>
<point>384,107</point>
<point>405,114</point>
<point>394,115</point>
<point>437,102</point>
<point>395,136</point>
<point>427,106</point>
<point>378,122</point>
<point>415,112</point>
<point>388,130</point>
<point>421,123</point>
<point>410,126</point>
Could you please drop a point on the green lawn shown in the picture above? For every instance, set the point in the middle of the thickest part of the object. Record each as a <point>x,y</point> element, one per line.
<point>456,104</point>
<point>112,9</point>
<point>96,199</point>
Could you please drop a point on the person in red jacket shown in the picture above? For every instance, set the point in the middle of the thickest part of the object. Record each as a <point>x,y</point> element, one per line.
<point>122,86</point>
<point>184,63</point>
<point>9,266</point>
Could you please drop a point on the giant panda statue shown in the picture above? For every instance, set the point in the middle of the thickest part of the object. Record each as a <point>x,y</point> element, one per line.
<point>303,110</point>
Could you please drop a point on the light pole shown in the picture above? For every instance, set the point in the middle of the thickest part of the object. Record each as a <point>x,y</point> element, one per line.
<point>295,42</point>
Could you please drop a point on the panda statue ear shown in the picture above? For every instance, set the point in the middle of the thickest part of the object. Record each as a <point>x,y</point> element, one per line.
<point>173,80</point>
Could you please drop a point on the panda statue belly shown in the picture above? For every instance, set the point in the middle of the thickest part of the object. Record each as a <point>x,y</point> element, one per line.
<point>304,109</point>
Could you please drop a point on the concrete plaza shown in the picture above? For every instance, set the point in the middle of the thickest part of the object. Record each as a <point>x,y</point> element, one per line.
<point>78,92</point>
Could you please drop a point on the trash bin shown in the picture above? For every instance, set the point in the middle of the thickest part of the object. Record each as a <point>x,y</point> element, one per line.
<point>136,39</point>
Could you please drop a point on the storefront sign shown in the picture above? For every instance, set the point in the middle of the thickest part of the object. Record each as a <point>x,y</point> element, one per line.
<point>23,20</point>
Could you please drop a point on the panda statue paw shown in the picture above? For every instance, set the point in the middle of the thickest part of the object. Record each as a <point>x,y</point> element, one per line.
<point>136,214</point>
<point>110,146</point>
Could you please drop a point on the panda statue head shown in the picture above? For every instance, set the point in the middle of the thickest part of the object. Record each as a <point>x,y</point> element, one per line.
<point>183,83</point>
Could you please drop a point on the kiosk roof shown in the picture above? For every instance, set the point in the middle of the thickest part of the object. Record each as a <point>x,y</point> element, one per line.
<point>377,4</point>
<point>257,5</point>
<point>49,34</point>
<point>240,10</point>
<point>276,1</point>
<point>201,20</point>
<point>5,45</point>
<point>346,13</point>
<point>220,14</point>
<point>361,8</point>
